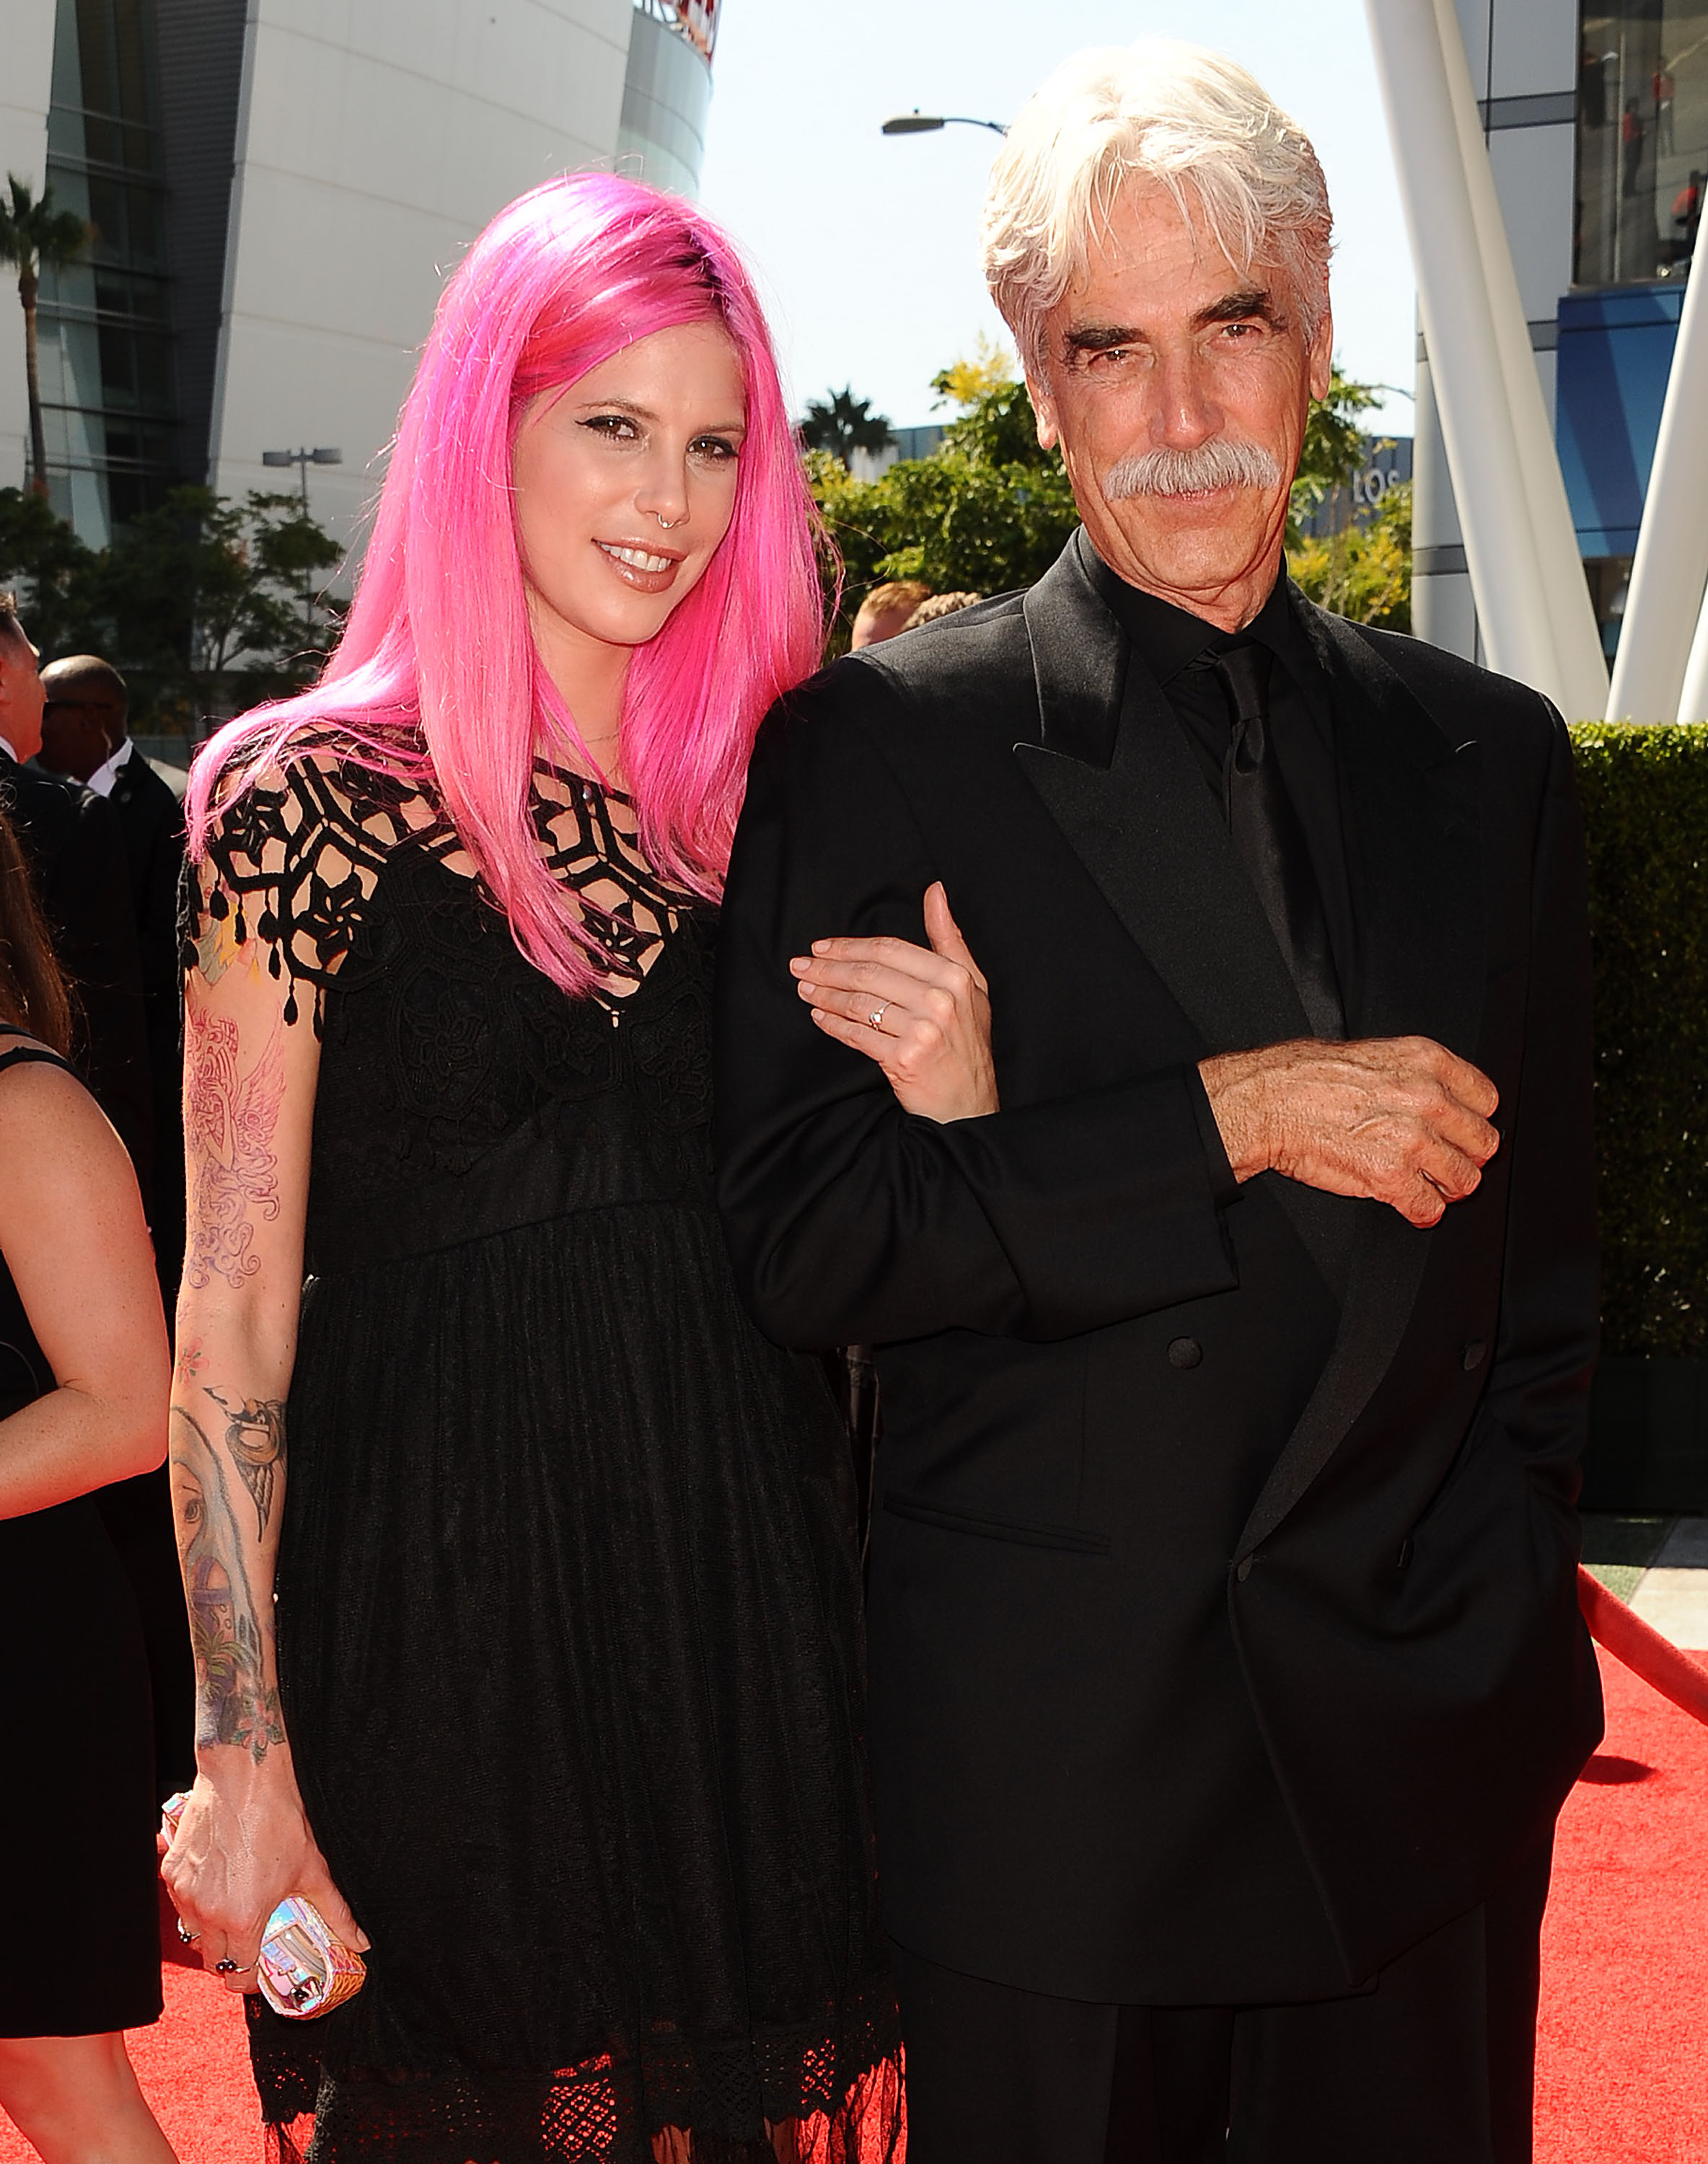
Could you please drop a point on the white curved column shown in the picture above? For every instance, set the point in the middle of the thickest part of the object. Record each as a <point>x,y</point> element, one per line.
<point>1577,639</point>
<point>1518,538</point>
<point>1693,696</point>
<point>1665,603</point>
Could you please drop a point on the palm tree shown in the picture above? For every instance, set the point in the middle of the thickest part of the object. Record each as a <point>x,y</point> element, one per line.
<point>845,424</point>
<point>35,235</point>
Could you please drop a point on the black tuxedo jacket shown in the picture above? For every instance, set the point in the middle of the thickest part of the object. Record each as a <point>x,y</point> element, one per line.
<point>152,822</point>
<point>76,852</point>
<point>1223,1633</point>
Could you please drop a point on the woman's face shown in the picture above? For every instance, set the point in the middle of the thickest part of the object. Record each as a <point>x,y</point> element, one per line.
<point>625,484</point>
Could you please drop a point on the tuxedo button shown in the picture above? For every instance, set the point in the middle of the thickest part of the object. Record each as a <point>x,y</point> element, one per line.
<point>1184,1353</point>
<point>1243,1570</point>
<point>1474,1349</point>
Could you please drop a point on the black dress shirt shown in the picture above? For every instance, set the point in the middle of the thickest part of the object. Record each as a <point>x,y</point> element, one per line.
<point>1301,723</point>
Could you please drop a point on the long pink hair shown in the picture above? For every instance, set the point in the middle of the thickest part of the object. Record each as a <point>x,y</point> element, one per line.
<point>437,677</point>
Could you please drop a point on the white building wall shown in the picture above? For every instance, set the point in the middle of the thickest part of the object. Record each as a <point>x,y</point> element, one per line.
<point>375,140</point>
<point>665,102</point>
<point>26,74</point>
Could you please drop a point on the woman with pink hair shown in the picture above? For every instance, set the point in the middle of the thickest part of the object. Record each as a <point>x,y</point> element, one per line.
<point>539,1677</point>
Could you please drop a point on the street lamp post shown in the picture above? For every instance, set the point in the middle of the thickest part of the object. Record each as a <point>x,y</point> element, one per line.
<point>324,454</point>
<point>925,123</point>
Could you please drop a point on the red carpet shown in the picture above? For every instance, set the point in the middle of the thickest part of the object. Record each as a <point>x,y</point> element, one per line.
<point>1623,2063</point>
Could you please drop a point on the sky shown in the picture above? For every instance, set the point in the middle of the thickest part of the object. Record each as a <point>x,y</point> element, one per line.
<point>866,245</point>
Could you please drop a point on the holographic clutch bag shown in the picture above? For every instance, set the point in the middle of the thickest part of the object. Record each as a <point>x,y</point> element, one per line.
<point>305,1968</point>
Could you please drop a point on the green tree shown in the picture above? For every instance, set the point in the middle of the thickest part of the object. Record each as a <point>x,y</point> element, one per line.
<point>203,597</point>
<point>1364,571</point>
<point>989,510</point>
<point>1334,443</point>
<point>35,236</point>
<point>990,367</point>
<point>199,602</point>
<point>52,570</point>
<point>843,424</point>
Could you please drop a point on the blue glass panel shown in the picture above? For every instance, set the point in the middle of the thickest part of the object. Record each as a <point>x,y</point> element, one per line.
<point>1615,352</point>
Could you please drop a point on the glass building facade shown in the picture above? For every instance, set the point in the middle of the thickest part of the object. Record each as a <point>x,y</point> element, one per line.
<point>105,323</point>
<point>1642,139</point>
<point>1641,169</point>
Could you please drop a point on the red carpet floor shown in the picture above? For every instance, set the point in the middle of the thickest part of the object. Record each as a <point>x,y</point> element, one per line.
<point>1623,2062</point>
<point>1622,2072</point>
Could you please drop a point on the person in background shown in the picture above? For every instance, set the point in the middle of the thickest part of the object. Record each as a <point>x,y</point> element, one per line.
<point>85,739</point>
<point>75,851</point>
<point>941,605</point>
<point>84,736</point>
<point>1633,135</point>
<point>885,611</point>
<point>83,1379</point>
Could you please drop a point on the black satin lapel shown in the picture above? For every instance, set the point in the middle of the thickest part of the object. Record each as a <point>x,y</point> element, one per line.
<point>1410,809</point>
<point>1143,825</point>
<point>1131,804</point>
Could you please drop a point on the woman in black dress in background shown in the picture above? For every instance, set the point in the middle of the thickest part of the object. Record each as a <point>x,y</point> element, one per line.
<point>83,1371</point>
<point>566,1708</point>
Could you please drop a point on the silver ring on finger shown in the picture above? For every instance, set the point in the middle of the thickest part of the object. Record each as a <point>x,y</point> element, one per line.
<point>876,1018</point>
<point>185,1934</point>
<point>229,1968</point>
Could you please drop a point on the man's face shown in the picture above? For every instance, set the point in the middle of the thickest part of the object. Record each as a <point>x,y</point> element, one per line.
<point>82,721</point>
<point>1178,387</point>
<point>20,689</point>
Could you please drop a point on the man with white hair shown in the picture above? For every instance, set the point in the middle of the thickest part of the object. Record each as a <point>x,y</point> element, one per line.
<point>1227,1674</point>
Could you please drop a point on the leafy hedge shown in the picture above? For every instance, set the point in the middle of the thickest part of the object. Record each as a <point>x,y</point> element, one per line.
<point>1645,793</point>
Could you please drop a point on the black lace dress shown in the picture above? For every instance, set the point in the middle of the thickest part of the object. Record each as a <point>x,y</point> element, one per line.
<point>567,1609</point>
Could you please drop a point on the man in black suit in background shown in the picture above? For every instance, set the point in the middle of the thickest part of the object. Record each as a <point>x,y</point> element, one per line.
<point>76,851</point>
<point>85,736</point>
<point>1226,1672</point>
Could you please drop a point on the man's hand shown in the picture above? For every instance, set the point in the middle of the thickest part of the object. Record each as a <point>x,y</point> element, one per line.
<point>1399,1119</point>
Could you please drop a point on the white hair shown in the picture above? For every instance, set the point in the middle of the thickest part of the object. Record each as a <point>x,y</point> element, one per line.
<point>1162,111</point>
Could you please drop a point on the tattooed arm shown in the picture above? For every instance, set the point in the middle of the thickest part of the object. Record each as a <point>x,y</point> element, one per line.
<point>250,1078</point>
<point>72,1233</point>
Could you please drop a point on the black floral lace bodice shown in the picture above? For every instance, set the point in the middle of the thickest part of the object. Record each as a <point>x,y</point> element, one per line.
<point>566,1605</point>
<point>460,1091</point>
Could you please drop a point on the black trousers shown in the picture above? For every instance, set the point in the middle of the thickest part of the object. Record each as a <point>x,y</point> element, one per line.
<point>1435,2065</point>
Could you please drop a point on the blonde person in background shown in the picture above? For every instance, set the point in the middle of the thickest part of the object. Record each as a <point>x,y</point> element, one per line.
<point>936,605</point>
<point>886,611</point>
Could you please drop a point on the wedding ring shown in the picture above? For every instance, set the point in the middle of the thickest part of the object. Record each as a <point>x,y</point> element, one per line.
<point>876,1017</point>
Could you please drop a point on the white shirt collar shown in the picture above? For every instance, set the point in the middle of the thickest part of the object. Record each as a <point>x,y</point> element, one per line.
<point>102,778</point>
<point>6,747</point>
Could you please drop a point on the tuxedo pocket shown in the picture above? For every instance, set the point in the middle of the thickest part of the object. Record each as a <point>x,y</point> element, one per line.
<point>1075,1538</point>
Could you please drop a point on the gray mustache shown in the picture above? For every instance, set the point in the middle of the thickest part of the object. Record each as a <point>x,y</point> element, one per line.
<point>1221,463</point>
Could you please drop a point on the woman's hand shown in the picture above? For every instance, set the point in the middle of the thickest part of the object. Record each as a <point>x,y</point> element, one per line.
<point>924,1017</point>
<point>236,1855</point>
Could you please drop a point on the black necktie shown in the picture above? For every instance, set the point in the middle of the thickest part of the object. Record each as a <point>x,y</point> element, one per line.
<point>1270,839</point>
